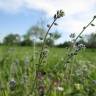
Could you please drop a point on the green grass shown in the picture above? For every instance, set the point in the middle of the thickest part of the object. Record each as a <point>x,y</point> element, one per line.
<point>12,65</point>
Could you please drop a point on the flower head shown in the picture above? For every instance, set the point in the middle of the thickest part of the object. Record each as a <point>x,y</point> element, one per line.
<point>60,88</point>
<point>12,84</point>
<point>59,14</point>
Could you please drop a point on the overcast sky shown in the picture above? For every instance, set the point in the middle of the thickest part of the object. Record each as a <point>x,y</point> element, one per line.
<point>16,16</point>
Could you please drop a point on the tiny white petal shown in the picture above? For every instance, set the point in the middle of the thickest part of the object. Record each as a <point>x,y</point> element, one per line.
<point>60,88</point>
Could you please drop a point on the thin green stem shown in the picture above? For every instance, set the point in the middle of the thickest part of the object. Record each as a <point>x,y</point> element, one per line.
<point>84,28</point>
<point>44,41</point>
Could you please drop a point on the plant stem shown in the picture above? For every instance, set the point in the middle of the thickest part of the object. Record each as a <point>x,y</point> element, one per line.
<point>84,29</point>
<point>44,41</point>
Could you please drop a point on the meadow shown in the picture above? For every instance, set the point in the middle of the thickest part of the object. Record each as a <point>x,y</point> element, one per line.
<point>18,70</point>
<point>48,71</point>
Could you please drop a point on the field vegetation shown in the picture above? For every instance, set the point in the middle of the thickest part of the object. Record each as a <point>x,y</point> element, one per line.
<point>32,68</point>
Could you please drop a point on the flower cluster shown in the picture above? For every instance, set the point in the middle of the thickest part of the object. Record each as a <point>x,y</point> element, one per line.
<point>72,35</point>
<point>59,14</point>
<point>78,48</point>
<point>12,84</point>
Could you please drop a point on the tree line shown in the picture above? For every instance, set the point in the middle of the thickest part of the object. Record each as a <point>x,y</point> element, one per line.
<point>36,34</point>
<point>88,40</point>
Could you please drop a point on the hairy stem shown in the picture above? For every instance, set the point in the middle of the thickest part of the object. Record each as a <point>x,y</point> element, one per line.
<point>44,41</point>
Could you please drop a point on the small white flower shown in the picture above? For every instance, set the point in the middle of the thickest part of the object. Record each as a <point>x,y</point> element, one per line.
<point>60,88</point>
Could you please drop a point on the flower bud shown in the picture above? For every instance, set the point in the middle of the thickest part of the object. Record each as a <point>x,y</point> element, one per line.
<point>55,24</point>
<point>55,16</point>
<point>94,17</point>
<point>48,25</point>
<point>84,27</point>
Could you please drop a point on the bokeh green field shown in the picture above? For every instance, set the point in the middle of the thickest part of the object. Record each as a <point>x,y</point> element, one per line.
<point>54,53</point>
<point>84,62</point>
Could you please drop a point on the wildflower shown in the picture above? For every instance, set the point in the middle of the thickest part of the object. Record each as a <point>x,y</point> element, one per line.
<point>59,14</point>
<point>56,83</point>
<point>81,46</point>
<point>78,72</point>
<point>12,84</point>
<point>77,49</point>
<point>41,90</point>
<point>72,35</point>
<point>60,88</point>
<point>44,53</point>
<point>71,54</point>
<point>40,75</point>
<point>46,50</point>
<point>85,69</point>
